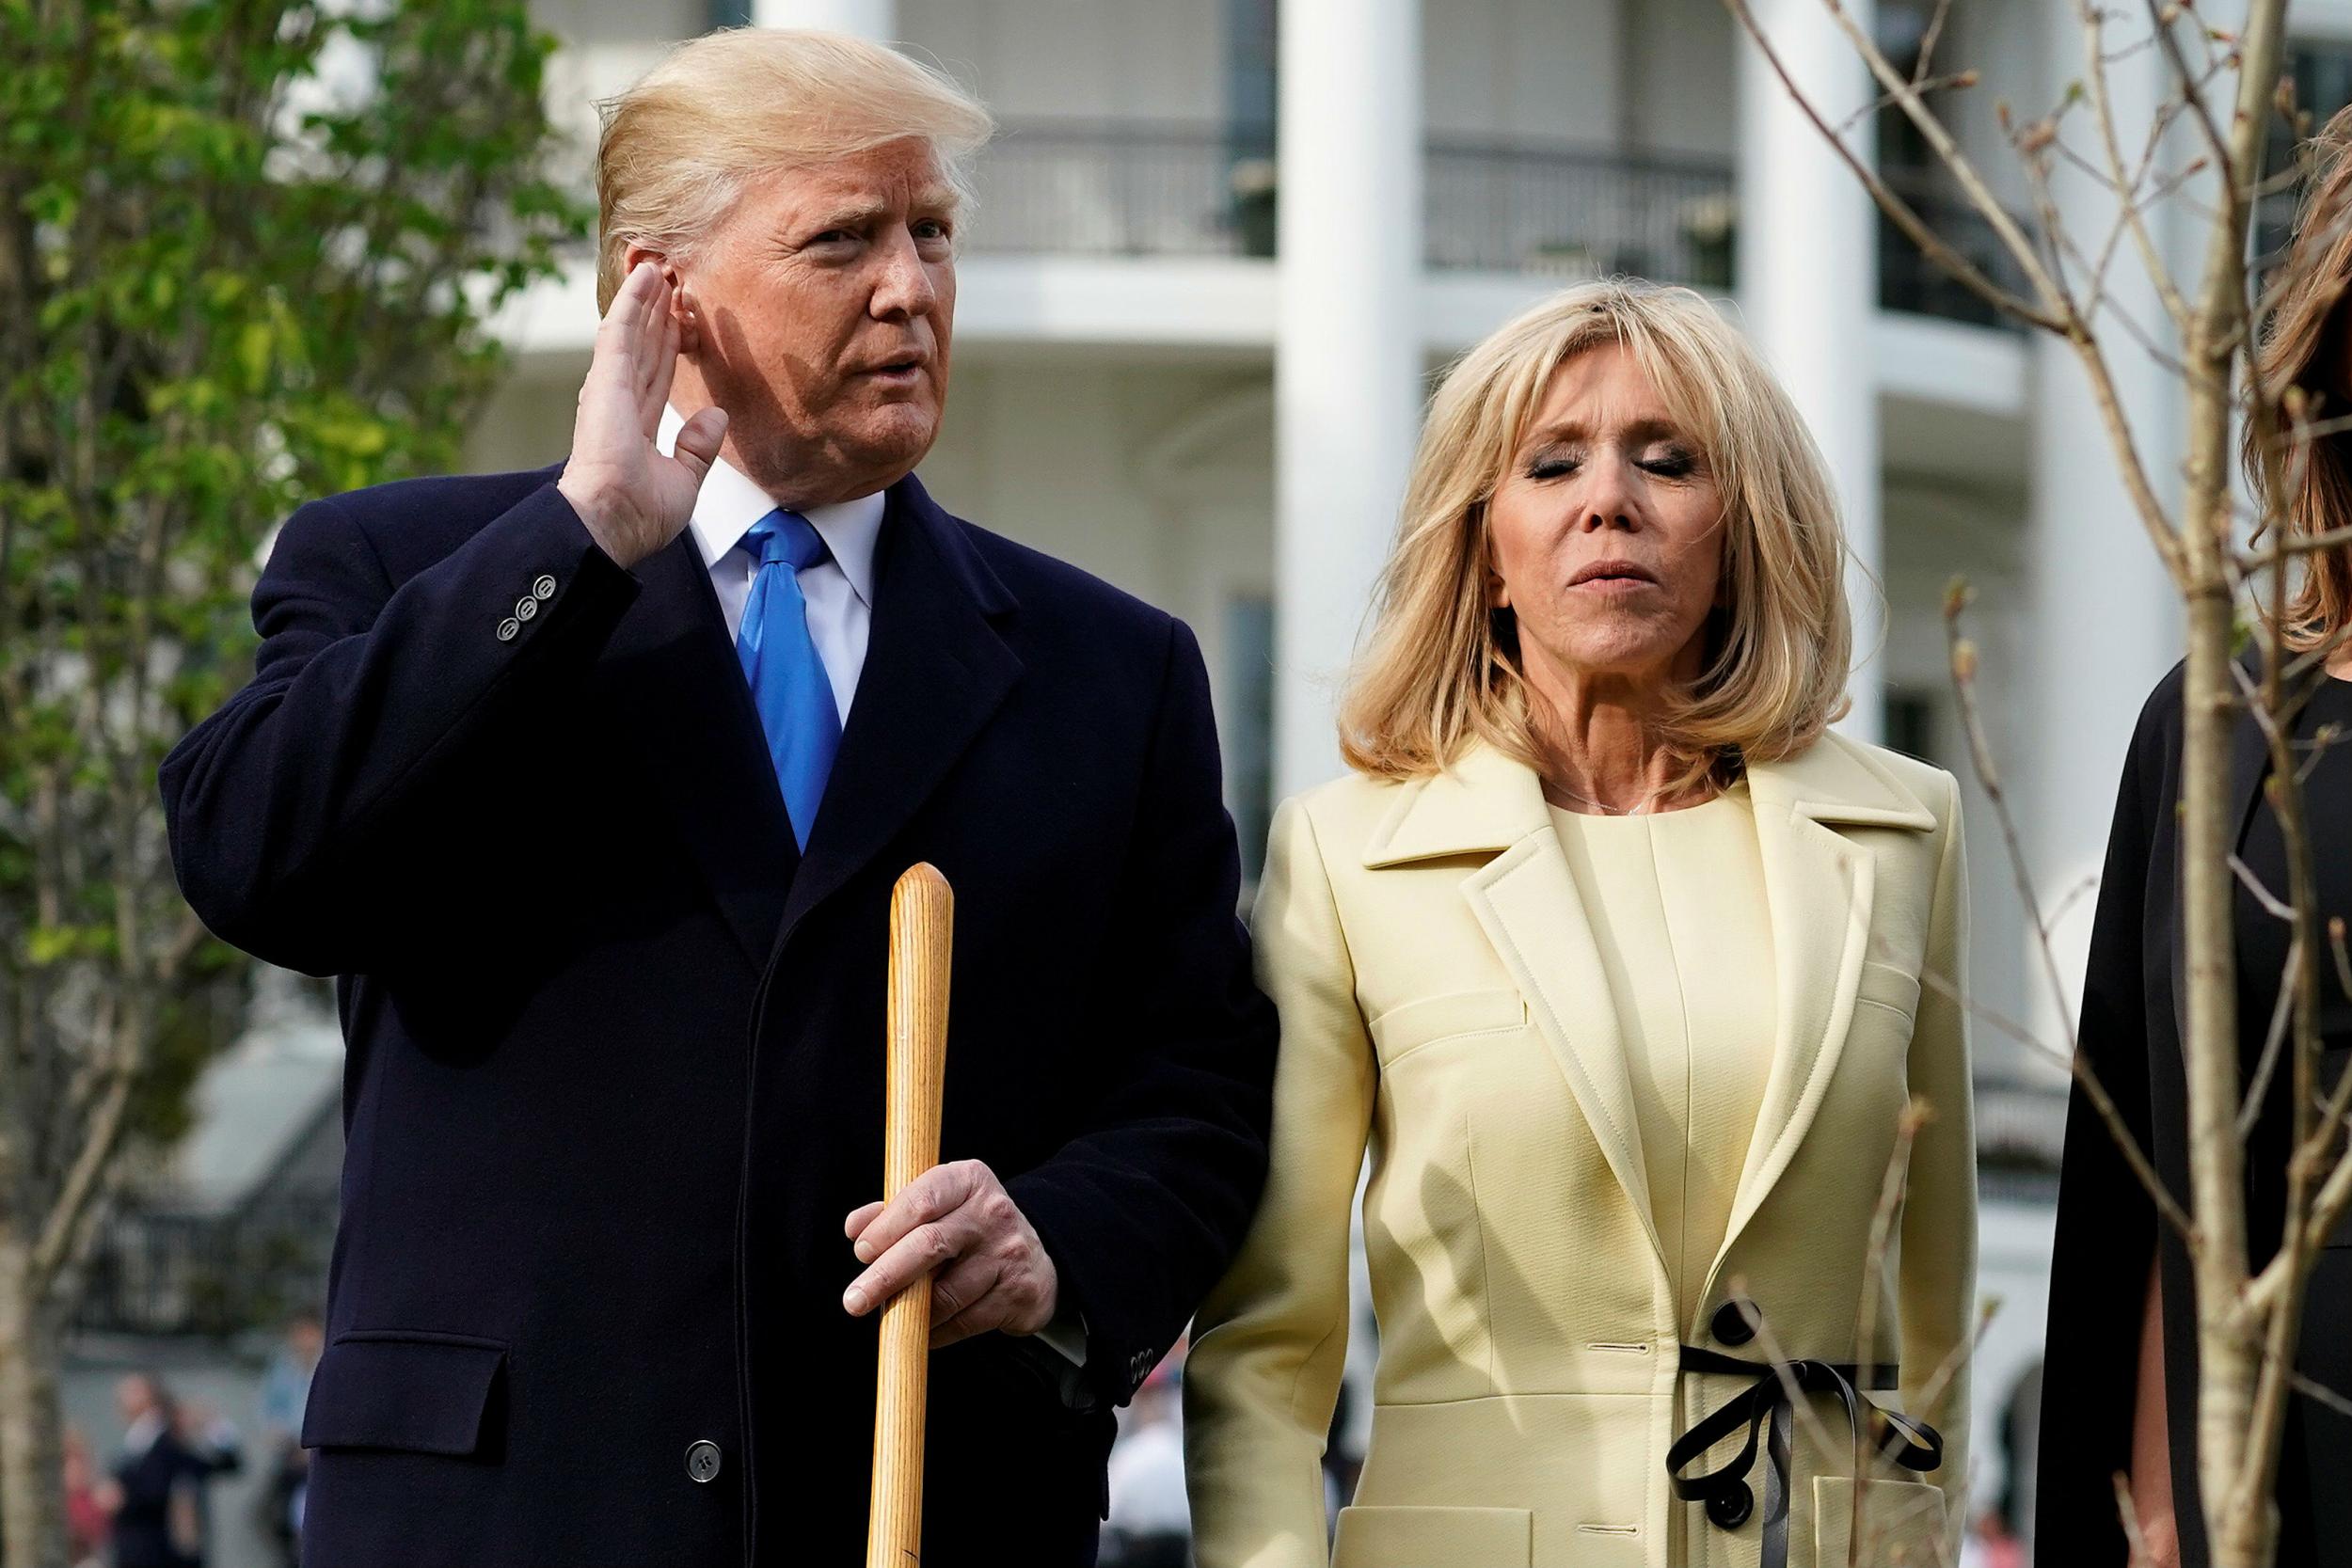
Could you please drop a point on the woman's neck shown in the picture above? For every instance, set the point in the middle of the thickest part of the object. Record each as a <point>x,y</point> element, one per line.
<point>1599,750</point>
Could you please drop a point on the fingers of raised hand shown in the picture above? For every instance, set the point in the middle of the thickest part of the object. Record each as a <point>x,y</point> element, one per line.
<point>651,326</point>
<point>622,318</point>
<point>660,366</point>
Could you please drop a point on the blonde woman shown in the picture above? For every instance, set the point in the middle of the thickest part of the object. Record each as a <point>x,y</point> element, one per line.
<point>1626,972</point>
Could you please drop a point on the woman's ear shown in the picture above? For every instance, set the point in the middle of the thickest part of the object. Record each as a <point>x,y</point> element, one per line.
<point>1497,590</point>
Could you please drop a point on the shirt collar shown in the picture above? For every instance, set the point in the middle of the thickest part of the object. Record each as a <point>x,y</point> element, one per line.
<point>729,503</point>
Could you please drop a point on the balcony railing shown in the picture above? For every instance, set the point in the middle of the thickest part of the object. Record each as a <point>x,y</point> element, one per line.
<point>1138,189</point>
<point>1144,190</point>
<point>1135,189</point>
<point>1578,213</point>
<point>168,1273</point>
<point>1125,190</point>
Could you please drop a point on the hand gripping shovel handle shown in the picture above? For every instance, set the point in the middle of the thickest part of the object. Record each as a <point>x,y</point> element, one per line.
<point>922,916</point>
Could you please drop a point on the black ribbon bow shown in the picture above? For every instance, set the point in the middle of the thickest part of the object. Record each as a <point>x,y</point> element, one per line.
<point>1910,1443</point>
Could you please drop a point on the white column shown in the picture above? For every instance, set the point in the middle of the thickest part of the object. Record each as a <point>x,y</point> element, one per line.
<point>2104,624</point>
<point>872,19</point>
<point>1808,284</point>
<point>1347,356</point>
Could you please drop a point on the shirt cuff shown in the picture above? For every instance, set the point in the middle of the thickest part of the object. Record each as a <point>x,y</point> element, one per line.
<point>1067,1335</point>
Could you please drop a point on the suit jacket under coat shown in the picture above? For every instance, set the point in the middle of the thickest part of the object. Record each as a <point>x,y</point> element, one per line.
<point>2134,994</point>
<point>1443,1002</point>
<point>616,1066</point>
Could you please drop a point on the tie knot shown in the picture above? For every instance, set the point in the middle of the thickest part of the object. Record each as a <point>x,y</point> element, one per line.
<point>788,538</point>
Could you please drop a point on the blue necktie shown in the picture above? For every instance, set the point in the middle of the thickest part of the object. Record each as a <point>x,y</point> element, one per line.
<point>788,684</point>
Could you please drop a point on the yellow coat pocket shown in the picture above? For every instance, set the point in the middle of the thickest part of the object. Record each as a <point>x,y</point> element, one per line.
<point>1433,1538</point>
<point>1902,1524</point>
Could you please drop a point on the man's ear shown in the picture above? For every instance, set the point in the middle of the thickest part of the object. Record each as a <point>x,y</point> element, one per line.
<point>684,308</point>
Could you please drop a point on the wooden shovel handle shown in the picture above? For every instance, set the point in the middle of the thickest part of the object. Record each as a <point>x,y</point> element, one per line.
<point>922,920</point>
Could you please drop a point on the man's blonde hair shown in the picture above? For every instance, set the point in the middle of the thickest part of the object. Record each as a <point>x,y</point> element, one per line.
<point>1443,667</point>
<point>679,146</point>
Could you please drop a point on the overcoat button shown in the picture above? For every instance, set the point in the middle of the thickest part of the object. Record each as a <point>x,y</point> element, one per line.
<point>701,1461</point>
<point>1735,1322</point>
<point>1730,1507</point>
<point>524,608</point>
<point>544,588</point>
<point>508,627</point>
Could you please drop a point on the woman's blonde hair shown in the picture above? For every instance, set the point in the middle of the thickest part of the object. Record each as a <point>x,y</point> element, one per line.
<point>679,146</point>
<point>1442,668</point>
<point>2307,484</point>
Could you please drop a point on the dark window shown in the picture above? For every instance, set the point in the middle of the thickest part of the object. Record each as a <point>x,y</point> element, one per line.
<point>1248,704</point>
<point>2321,73</point>
<point>1251,28</point>
<point>1909,715</point>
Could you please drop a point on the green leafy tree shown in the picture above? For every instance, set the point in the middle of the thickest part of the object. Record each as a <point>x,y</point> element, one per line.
<point>249,251</point>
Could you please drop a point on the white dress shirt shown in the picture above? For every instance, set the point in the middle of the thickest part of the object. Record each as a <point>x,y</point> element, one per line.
<point>839,592</point>
<point>839,589</point>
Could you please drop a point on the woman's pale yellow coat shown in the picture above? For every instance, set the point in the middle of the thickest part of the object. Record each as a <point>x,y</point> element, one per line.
<point>1443,1005</point>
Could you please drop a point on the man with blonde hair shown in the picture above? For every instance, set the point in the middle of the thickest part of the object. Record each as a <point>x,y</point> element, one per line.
<point>590,785</point>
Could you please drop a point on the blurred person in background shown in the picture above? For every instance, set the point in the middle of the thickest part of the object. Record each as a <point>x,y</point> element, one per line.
<point>285,1390</point>
<point>88,1502</point>
<point>1148,1523</point>
<point>1617,962</point>
<point>591,784</point>
<point>168,1460</point>
<point>2122,1327</point>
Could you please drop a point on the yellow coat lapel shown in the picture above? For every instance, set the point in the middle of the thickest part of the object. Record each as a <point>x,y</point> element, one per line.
<point>1526,901</point>
<point>1819,886</point>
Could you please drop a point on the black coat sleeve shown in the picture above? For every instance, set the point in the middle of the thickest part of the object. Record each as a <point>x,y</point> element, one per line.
<point>2106,1223</point>
<point>310,798</point>
<point>1143,1208</point>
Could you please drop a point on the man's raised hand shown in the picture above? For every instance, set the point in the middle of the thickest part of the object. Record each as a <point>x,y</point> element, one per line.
<point>633,499</point>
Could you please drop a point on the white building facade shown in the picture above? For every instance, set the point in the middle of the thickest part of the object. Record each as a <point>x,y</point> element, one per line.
<point>1223,246</point>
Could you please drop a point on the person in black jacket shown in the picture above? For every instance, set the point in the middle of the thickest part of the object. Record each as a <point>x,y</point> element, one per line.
<point>591,783</point>
<point>2119,1380</point>
<point>161,1478</point>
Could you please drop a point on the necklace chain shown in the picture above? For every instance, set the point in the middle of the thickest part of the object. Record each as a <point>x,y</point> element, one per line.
<point>1640,808</point>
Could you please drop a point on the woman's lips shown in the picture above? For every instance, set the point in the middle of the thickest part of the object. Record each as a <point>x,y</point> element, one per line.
<point>1613,576</point>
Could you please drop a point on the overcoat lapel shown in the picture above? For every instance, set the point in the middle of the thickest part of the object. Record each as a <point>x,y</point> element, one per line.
<point>682,688</point>
<point>936,668</point>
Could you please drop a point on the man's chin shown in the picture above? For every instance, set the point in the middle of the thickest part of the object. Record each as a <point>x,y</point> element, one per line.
<point>877,449</point>
<point>892,439</point>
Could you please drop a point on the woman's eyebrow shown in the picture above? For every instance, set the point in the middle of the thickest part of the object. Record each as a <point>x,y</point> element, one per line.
<point>1559,430</point>
<point>1636,432</point>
